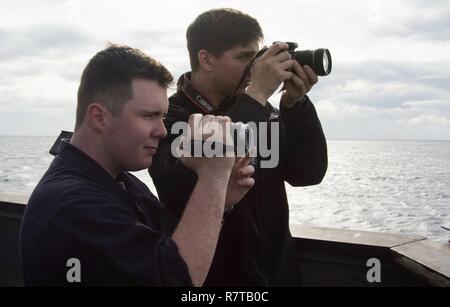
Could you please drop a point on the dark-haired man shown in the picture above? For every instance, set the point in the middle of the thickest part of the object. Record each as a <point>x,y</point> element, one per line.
<point>255,246</point>
<point>89,222</point>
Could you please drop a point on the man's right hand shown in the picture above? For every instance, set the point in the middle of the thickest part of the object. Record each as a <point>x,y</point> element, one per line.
<point>200,127</point>
<point>199,227</point>
<point>269,71</point>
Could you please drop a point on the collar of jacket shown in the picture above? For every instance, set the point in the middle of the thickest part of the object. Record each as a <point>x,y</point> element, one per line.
<point>185,86</point>
<point>90,167</point>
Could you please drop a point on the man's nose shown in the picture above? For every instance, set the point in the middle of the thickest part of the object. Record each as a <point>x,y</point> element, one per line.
<point>161,130</point>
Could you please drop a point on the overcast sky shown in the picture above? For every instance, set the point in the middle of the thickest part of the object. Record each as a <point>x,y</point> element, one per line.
<point>391,58</point>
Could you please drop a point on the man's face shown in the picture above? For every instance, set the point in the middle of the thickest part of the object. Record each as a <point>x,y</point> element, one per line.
<point>228,68</point>
<point>132,137</point>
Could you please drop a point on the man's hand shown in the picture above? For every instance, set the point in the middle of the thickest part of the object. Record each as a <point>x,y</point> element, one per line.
<point>199,227</point>
<point>268,71</point>
<point>301,83</point>
<point>212,128</point>
<point>240,181</point>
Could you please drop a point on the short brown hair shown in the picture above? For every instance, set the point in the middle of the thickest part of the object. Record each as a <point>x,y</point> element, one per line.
<point>219,30</point>
<point>108,76</point>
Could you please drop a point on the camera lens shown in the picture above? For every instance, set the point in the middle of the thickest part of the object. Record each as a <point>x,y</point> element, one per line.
<point>325,61</point>
<point>319,60</point>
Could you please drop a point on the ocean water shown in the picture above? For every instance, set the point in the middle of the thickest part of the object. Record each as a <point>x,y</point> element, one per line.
<point>387,186</point>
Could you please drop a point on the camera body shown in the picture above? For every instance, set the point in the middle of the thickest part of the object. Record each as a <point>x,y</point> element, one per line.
<point>242,140</point>
<point>319,59</point>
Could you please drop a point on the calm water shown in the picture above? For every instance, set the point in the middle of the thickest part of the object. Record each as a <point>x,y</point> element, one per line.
<point>388,186</point>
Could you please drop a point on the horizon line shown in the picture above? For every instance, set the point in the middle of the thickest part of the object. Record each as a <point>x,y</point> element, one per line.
<point>331,139</point>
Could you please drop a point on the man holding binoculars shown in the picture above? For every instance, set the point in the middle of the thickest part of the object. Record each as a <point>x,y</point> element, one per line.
<point>230,77</point>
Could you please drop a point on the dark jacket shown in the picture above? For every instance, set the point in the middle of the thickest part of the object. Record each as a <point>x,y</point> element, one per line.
<point>117,229</point>
<point>255,246</point>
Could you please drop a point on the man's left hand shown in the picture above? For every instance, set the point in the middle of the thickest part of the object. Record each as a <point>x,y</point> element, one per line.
<point>240,181</point>
<point>301,83</point>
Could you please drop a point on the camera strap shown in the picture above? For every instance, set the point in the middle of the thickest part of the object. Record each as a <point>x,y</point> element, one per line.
<point>248,67</point>
<point>228,102</point>
<point>184,85</point>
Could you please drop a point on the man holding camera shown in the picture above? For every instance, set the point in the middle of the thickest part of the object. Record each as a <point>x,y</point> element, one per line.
<point>91,223</point>
<point>255,247</point>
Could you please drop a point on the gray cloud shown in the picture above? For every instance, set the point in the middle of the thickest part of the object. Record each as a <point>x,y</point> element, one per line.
<point>42,58</point>
<point>433,74</point>
<point>431,22</point>
<point>50,40</point>
<point>37,115</point>
<point>12,99</point>
<point>422,4</point>
<point>36,122</point>
<point>167,39</point>
<point>387,85</point>
<point>10,72</point>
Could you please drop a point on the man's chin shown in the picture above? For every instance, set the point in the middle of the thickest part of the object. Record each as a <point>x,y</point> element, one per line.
<point>149,163</point>
<point>142,166</point>
<point>241,90</point>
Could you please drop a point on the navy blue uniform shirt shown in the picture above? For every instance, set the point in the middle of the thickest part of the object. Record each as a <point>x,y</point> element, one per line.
<point>116,228</point>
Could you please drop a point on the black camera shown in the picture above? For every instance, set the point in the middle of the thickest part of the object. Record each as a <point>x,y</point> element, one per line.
<point>242,137</point>
<point>319,59</point>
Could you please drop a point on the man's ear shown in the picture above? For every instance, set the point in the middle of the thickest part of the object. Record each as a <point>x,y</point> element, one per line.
<point>205,60</point>
<point>97,116</point>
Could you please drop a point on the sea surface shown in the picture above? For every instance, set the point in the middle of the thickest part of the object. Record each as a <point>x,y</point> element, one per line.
<point>386,186</point>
